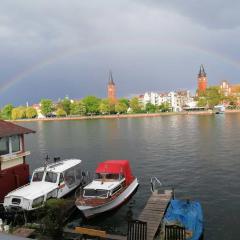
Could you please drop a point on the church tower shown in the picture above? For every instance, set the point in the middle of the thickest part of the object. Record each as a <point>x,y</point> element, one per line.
<point>202,81</point>
<point>111,89</point>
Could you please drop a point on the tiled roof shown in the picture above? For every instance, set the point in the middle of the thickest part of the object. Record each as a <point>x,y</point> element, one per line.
<point>10,129</point>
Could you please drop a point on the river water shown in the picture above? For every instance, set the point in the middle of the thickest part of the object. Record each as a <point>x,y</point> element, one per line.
<point>198,155</point>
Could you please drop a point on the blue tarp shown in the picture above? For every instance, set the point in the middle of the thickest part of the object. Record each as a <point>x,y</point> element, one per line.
<point>187,214</point>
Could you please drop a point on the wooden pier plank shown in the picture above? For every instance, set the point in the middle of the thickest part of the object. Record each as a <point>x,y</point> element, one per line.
<point>154,211</point>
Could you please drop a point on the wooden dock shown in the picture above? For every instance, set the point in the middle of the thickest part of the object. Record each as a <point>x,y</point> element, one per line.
<point>152,215</point>
<point>154,211</point>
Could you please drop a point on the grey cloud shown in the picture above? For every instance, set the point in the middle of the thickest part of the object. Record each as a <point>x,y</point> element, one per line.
<point>219,14</point>
<point>153,46</point>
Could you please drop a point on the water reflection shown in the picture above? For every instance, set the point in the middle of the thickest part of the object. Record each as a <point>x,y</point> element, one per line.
<point>199,155</point>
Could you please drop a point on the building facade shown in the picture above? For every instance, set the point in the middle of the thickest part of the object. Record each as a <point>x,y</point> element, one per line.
<point>111,89</point>
<point>202,81</point>
<point>14,171</point>
<point>177,100</point>
<point>228,89</point>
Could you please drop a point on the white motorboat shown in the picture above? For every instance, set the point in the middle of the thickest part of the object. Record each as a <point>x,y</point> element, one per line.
<point>113,185</point>
<point>52,181</point>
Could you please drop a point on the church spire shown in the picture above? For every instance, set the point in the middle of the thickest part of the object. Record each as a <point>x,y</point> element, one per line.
<point>202,72</point>
<point>111,82</point>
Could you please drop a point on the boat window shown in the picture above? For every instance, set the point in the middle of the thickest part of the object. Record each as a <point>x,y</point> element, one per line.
<point>69,177</point>
<point>61,179</point>
<point>112,176</point>
<point>78,173</point>
<point>38,202</point>
<point>95,193</point>
<point>109,176</point>
<point>15,141</point>
<point>51,177</point>
<point>98,176</point>
<point>4,145</point>
<point>37,177</point>
<point>16,201</point>
<point>116,189</point>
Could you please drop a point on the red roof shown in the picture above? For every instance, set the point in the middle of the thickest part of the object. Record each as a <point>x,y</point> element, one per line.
<point>116,166</point>
<point>9,129</point>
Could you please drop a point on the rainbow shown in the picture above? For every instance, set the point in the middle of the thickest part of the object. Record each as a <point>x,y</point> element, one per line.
<point>68,52</point>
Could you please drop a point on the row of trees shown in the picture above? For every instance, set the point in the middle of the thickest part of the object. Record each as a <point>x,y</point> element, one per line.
<point>89,105</point>
<point>10,112</point>
<point>213,96</point>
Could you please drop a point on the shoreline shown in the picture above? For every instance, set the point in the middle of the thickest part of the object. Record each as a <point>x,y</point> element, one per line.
<point>121,116</point>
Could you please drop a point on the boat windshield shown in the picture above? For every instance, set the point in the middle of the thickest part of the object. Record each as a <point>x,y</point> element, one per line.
<point>109,176</point>
<point>95,193</point>
<point>51,177</point>
<point>37,176</point>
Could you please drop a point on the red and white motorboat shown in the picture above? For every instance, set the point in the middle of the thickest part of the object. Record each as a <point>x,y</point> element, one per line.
<point>113,185</point>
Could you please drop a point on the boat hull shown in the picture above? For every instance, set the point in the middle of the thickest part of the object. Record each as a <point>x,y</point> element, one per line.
<point>90,211</point>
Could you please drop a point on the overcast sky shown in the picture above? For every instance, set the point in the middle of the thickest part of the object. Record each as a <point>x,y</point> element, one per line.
<point>56,48</point>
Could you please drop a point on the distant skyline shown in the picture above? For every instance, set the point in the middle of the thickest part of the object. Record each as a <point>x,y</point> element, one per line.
<point>56,48</point>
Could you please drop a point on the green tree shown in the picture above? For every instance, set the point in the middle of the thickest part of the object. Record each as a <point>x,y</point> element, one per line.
<point>121,107</point>
<point>125,101</point>
<point>202,102</point>
<point>19,113</point>
<point>211,97</point>
<point>165,107</point>
<point>46,106</point>
<point>92,104</point>
<point>7,111</point>
<point>61,112</point>
<point>135,106</point>
<point>105,106</point>
<point>31,112</point>
<point>65,104</point>
<point>232,100</point>
<point>77,108</point>
<point>150,108</point>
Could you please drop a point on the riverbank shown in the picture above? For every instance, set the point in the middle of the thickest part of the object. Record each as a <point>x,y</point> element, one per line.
<point>118,116</point>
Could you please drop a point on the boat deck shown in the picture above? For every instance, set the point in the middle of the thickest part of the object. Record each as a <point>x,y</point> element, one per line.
<point>154,211</point>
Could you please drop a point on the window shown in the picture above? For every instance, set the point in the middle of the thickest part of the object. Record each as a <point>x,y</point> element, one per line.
<point>61,179</point>
<point>37,177</point>
<point>15,141</point>
<point>4,145</point>
<point>78,173</point>
<point>51,177</point>
<point>69,177</point>
<point>95,193</point>
<point>38,202</point>
<point>16,201</point>
<point>116,189</point>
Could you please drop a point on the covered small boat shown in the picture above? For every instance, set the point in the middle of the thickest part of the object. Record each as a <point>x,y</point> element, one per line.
<point>113,184</point>
<point>183,220</point>
<point>55,180</point>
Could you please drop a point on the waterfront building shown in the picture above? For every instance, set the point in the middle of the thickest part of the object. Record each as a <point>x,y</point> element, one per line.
<point>176,99</point>
<point>111,89</point>
<point>202,81</point>
<point>37,107</point>
<point>229,89</point>
<point>14,171</point>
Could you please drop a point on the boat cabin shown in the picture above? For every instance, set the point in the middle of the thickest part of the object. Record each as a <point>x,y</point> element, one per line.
<point>14,172</point>
<point>112,186</point>
<point>111,177</point>
<point>52,181</point>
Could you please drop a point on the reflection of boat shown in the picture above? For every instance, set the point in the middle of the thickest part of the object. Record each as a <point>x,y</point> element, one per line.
<point>183,218</point>
<point>113,185</point>
<point>219,109</point>
<point>52,181</point>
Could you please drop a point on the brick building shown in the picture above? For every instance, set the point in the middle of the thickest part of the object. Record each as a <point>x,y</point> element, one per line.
<point>111,89</point>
